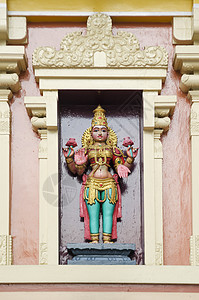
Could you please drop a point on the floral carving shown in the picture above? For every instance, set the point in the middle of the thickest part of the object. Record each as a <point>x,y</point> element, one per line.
<point>121,50</point>
<point>43,254</point>
<point>194,250</point>
<point>159,254</point>
<point>4,127</point>
<point>5,250</point>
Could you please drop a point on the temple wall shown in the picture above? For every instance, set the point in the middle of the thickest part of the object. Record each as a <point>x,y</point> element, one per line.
<point>176,149</point>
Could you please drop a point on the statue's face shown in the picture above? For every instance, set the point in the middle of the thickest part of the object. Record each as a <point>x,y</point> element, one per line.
<point>99,133</point>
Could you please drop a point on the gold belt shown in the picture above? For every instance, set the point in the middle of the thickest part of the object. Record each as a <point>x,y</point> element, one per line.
<point>99,184</point>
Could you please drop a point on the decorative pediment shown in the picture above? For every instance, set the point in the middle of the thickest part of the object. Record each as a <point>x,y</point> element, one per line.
<point>100,48</point>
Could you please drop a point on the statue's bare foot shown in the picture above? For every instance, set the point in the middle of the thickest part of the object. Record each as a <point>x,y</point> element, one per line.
<point>94,242</point>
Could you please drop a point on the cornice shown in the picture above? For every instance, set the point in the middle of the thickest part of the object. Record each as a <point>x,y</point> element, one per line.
<point>13,59</point>
<point>186,59</point>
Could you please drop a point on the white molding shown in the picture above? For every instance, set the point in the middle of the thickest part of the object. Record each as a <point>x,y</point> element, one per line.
<point>114,274</point>
<point>43,111</point>
<point>87,13</point>
<point>5,238</point>
<point>32,295</point>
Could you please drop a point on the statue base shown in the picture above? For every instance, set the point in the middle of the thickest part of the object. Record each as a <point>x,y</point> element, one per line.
<point>101,254</point>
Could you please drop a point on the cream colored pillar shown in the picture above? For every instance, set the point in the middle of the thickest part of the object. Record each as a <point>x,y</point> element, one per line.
<point>43,113</point>
<point>158,156</point>
<point>157,112</point>
<point>149,184</point>
<point>53,177</point>
<point>43,217</point>
<point>37,107</point>
<point>194,133</point>
<point>5,238</point>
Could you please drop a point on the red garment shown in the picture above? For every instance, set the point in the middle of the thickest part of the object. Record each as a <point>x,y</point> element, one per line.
<point>84,212</point>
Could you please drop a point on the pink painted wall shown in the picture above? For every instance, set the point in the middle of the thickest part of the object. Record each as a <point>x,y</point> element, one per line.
<point>176,148</point>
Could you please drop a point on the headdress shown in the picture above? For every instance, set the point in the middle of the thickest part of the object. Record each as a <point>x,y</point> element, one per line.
<point>99,119</point>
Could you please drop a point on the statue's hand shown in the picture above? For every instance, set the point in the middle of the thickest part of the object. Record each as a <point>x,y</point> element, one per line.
<point>131,151</point>
<point>68,152</point>
<point>80,157</point>
<point>123,171</point>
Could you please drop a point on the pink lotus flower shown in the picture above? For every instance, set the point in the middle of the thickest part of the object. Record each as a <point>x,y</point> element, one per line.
<point>127,142</point>
<point>71,143</point>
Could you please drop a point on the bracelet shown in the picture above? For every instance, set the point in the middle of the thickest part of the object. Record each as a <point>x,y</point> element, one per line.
<point>80,166</point>
<point>69,160</point>
<point>130,160</point>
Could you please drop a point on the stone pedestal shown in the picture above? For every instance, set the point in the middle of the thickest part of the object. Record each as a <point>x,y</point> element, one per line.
<point>101,254</point>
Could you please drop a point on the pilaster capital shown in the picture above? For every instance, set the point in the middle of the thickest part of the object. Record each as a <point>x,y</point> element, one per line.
<point>157,134</point>
<point>164,108</point>
<point>5,95</point>
<point>193,96</point>
<point>162,123</point>
<point>36,108</point>
<point>189,82</point>
<point>38,123</point>
<point>10,81</point>
<point>158,110</point>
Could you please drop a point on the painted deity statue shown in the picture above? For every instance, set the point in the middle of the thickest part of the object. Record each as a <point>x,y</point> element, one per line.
<point>100,189</point>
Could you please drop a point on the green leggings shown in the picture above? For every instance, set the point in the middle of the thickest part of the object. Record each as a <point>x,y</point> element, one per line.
<point>107,213</point>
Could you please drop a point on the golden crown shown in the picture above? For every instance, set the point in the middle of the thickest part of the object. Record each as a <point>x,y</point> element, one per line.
<point>99,118</point>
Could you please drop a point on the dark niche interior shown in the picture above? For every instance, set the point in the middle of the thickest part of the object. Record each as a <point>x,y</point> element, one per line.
<point>124,114</point>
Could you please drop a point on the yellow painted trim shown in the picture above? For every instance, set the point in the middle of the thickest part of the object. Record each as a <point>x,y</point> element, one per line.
<point>103,5</point>
<point>123,16</point>
<point>49,19</point>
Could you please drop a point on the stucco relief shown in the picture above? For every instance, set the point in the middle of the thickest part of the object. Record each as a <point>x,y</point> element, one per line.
<point>43,254</point>
<point>194,250</point>
<point>4,122</point>
<point>159,254</point>
<point>194,120</point>
<point>5,250</point>
<point>121,50</point>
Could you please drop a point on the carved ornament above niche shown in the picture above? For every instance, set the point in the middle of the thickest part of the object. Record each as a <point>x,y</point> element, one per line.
<point>100,48</point>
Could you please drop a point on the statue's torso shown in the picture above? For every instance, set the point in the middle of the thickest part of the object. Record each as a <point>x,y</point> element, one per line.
<point>100,158</point>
